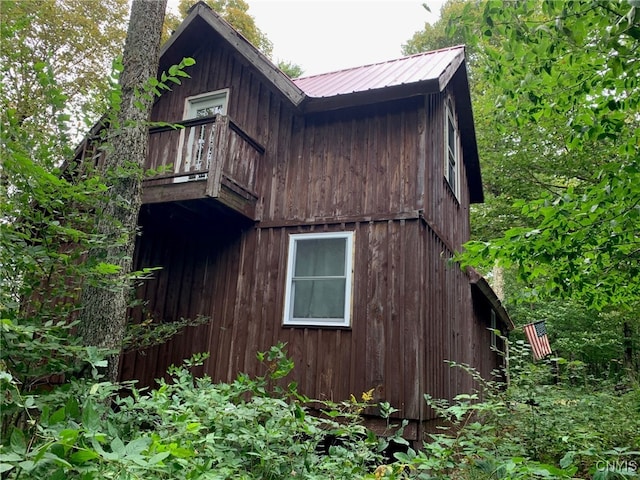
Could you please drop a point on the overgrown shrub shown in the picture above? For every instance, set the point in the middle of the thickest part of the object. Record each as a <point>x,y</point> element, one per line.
<point>189,428</point>
<point>541,426</point>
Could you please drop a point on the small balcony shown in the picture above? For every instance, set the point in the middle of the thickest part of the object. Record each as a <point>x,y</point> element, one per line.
<point>209,158</point>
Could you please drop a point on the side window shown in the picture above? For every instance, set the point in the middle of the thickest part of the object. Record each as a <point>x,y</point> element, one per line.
<point>319,277</point>
<point>452,149</point>
<point>494,325</point>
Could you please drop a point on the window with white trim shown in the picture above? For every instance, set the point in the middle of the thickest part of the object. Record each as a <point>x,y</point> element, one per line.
<point>452,149</point>
<point>206,104</point>
<point>494,326</point>
<point>319,278</point>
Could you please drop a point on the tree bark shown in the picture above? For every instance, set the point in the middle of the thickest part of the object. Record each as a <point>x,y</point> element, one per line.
<point>102,320</point>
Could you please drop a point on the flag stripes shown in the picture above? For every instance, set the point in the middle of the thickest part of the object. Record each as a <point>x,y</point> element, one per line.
<point>537,335</point>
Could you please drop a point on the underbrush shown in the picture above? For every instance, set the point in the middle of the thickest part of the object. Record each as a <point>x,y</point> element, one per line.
<point>188,428</point>
<point>543,425</point>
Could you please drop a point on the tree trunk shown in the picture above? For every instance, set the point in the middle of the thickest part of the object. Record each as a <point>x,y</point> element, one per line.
<point>104,303</point>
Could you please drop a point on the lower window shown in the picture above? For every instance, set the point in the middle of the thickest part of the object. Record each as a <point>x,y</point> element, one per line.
<point>319,276</point>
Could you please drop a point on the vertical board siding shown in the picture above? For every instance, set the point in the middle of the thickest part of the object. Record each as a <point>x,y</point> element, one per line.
<point>341,165</point>
<point>441,208</point>
<point>411,311</point>
<point>392,347</point>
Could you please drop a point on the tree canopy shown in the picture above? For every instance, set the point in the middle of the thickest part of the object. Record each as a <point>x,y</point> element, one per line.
<point>71,44</point>
<point>564,78</point>
<point>555,91</point>
<point>233,11</point>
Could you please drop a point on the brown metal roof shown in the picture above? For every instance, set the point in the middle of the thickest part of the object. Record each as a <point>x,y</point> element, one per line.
<point>422,67</point>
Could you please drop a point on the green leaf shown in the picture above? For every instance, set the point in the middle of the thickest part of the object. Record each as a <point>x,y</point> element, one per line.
<point>90,417</point>
<point>57,416</point>
<point>567,460</point>
<point>72,408</point>
<point>158,457</point>
<point>103,268</point>
<point>68,436</point>
<point>82,456</point>
<point>117,446</point>
<point>136,446</point>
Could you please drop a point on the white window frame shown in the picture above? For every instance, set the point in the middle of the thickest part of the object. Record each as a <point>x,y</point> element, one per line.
<point>494,326</point>
<point>203,97</point>
<point>345,321</point>
<point>452,158</point>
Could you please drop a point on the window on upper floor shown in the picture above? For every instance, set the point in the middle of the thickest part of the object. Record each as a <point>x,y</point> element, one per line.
<point>206,104</point>
<point>452,149</point>
<point>319,278</point>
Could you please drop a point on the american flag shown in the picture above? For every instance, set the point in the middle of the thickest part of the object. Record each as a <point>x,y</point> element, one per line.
<point>537,335</point>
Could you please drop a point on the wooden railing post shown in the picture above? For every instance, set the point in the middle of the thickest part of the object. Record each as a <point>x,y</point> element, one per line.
<point>218,156</point>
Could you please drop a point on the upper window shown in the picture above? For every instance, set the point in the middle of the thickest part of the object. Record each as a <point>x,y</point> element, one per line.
<point>206,104</point>
<point>318,291</point>
<point>494,326</point>
<point>452,150</point>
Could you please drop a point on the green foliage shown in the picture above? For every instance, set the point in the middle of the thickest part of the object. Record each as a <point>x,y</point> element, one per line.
<point>598,340</point>
<point>540,426</point>
<point>66,42</point>
<point>190,428</point>
<point>555,94</point>
<point>566,72</point>
<point>155,87</point>
<point>292,70</point>
<point>233,11</point>
<point>435,36</point>
<point>46,221</point>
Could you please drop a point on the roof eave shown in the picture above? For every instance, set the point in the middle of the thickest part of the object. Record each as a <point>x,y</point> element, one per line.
<point>460,85</point>
<point>368,97</point>
<point>479,282</point>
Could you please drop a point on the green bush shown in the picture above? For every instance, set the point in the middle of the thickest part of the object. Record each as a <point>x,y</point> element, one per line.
<point>190,428</point>
<point>540,426</point>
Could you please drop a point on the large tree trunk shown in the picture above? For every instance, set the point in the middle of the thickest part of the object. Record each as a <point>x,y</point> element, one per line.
<point>104,304</point>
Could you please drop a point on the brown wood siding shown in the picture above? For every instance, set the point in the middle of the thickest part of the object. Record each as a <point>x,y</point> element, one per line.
<point>450,216</point>
<point>377,171</point>
<point>357,162</point>
<point>411,312</point>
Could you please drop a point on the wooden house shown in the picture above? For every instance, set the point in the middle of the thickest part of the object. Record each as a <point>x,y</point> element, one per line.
<point>320,212</point>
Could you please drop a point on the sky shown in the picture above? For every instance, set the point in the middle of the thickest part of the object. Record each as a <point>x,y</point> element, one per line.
<point>327,35</point>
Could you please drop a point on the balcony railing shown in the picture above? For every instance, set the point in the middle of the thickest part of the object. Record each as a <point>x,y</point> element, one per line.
<point>205,157</point>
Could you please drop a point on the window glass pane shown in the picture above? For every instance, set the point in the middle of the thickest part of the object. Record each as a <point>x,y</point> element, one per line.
<point>207,111</point>
<point>451,135</point>
<point>320,257</point>
<point>452,176</point>
<point>319,298</point>
<point>205,106</point>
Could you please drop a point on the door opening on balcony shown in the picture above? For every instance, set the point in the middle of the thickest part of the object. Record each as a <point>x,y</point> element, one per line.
<point>196,142</point>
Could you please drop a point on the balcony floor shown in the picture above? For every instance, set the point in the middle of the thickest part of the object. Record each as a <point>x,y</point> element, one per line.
<point>229,196</point>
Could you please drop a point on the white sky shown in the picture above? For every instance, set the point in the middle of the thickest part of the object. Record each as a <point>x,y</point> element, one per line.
<point>326,35</point>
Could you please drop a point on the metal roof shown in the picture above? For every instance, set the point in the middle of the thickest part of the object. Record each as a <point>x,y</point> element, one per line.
<point>422,67</point>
